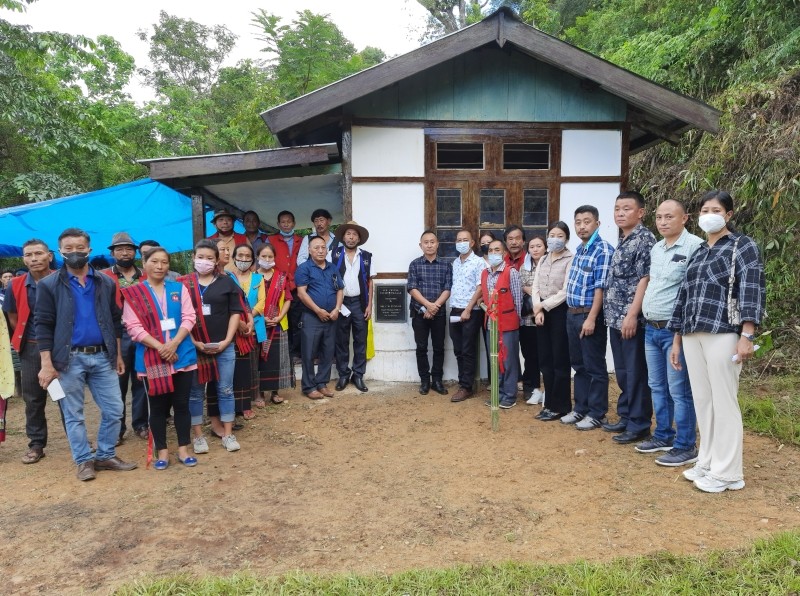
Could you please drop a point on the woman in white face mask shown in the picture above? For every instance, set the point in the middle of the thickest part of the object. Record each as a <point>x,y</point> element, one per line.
<point>719,305</point>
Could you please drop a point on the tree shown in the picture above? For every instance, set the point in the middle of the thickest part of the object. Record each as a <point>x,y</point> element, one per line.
<point>448,16</point>
<point>310,52</point>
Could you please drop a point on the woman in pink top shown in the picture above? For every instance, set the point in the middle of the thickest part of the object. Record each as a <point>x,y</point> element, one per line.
<point>159,316</point>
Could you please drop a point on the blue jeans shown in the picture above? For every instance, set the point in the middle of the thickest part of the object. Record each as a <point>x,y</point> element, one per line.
<point>226,361</point>
<point>671,391</point>
<point>507,383</point>
<point>96,371</point>
<point>588,357</point>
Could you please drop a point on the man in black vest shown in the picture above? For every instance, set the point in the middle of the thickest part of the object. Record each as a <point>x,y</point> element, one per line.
<point>357,270</point>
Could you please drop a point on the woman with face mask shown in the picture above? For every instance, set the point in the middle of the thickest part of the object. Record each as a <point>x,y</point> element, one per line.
<point>275,370</point>
<point>159,316</point>
<point>251,329</point>
<point>217,303</point>
<point>549,292</point>
<point>483,251</point>
<point>719,306</point>
<point>537,248</point>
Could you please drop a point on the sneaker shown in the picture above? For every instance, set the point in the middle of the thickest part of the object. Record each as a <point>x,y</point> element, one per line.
<point>537,397</point>
<point>653,445</point>
<point>677,457</point>
<point>571,418</point>
<point>200,445</point>
<point>589,423</point>
<point>711,485</point>
<point>230,443</point>
<point>695,473</point>
<point>507,405</point>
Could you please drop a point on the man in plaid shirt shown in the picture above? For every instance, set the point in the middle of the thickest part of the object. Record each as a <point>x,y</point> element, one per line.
<point>586,329</point>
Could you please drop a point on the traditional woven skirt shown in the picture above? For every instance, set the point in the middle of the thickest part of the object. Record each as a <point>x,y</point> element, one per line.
<point>276,372</point>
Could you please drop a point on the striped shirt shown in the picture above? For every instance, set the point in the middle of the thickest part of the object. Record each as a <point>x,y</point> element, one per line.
<point>702,303</point>
<point>430,278</point>
<point>550,283</point>
<point>588,271</point>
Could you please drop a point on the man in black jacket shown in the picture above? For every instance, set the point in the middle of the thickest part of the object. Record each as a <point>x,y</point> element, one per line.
<point>78,329</point>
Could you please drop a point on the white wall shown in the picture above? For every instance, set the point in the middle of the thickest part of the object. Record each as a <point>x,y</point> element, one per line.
<point>591,153</point>
<point>600,194</point>
<point>389,152</point>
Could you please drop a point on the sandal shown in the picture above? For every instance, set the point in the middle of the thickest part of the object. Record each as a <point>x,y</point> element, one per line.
<point>275,398</point>
<point>259,402</point>
<point>248,414</point>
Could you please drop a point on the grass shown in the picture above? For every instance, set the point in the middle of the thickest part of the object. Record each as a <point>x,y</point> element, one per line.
<point>771,406</point>
<point>770,566</point>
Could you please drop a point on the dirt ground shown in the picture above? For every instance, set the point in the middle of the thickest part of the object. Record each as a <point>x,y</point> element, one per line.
<point>380,482</point>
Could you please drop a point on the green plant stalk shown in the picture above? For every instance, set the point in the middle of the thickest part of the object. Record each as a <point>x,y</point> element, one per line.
<point>495,383</point>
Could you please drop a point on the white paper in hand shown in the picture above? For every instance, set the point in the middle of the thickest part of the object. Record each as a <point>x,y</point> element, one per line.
<point>344,311</point>
<point>55,390</point>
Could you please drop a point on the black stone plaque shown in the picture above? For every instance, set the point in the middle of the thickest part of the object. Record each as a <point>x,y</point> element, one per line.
<point>391,303</point>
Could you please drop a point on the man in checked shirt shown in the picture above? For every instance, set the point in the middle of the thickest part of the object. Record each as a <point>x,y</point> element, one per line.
<point>429,282</point>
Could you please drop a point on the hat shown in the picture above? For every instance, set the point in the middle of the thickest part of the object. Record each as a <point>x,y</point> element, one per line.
<point>122,239</point>
<point>363,234</point>
<point>221,213</point>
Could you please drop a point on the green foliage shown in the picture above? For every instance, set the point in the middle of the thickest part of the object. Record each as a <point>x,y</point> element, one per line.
<point>768,567</point>
<point>772,407</point>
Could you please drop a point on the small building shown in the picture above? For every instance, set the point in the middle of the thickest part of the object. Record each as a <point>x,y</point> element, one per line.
<point>496,124</point>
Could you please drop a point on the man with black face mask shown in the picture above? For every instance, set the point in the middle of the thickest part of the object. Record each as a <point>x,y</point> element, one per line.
<point>125,273</point>
<point>78,330</point>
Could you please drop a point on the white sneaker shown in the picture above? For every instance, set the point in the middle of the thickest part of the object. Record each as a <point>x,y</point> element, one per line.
<point>537,397</point>
<point>230,443</point>
<point>200,445</point>
<point>589,423</point>
<point>571,418</point>
<point>695,473</point>
<point>712,485</point>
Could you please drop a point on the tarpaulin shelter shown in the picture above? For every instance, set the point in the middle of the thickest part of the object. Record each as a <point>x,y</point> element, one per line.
<point>146,209</point>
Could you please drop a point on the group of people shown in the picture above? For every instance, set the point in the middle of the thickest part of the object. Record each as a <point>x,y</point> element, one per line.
<point>662,305</point>
<point>218,341</point>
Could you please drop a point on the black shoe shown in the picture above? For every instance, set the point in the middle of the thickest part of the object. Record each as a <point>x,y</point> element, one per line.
<point>424,387</point>
<point>551,416</point>
<point>439,388</point>
<point>543,413</point>
<point>359,383</point>
<point>617,427</point>
<point>631,437</point>
<point>342,382</point>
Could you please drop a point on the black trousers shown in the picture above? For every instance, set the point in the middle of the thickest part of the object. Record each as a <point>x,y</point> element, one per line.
<point>358,325</point>
<point>530,352</point>
<point>435,329</point>
<point>554,361</point>
<point>295,315</point>
<point>464,336</point>
<point>33,395</point>
<point>178,401</point>
<point>630,366</point>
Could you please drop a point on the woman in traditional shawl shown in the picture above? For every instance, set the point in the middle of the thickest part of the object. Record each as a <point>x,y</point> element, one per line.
<point>275,368</point>
<point>6,375</point>
<point>245,378</point>
<point>159,317</point>
<point>218,308</point>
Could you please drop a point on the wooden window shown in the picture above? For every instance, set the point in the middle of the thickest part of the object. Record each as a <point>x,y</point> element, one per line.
<point>526,156</point>
<point>493,208</point>
<point>534,211</point>
<point>459,156</point>
<point>448,219</point>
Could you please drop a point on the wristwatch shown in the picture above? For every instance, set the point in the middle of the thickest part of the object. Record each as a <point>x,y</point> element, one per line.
<point>748,336</point>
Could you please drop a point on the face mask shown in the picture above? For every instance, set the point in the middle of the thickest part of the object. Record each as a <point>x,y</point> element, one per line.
<point>711,223</point>
<point>203,267</point>
<point>287,234</point>
<point>243,265</point>
<point>76,260</point>
<point>484,249</point>
<point>125,263</point>
<point>462,247</point>
<point>266,264</point>
<point>555,244</point>
<point>495,259</point>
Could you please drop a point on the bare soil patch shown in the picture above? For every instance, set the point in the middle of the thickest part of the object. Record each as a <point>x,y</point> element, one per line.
<point>380,482</point>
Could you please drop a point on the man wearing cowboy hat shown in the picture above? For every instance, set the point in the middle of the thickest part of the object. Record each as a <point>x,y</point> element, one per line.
<point>357,270</point>
<point>223,220</point>
<point>125,273</point>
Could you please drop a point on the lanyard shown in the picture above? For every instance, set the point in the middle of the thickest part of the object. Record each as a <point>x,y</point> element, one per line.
<point>157,300</point>
<point>203,289</point>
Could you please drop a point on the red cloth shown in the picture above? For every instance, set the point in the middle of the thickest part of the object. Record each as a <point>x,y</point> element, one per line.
<point>285,260</point>
<point>237,239</point>
<point>23,309</point>
<point>502,300</point>
<point>206,364</point>
<point>515,263</point>
<point>110,272</point>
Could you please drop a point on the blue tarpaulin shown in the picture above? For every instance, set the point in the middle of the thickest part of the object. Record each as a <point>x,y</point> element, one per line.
<point>146,209</point>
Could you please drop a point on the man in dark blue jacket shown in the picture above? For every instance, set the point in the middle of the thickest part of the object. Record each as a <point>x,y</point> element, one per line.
<point>78,330</point>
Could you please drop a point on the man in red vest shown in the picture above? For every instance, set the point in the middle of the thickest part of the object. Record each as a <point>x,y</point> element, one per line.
<point>125,273</point>
<point>502,293</point>
<point>19,304</point>
<point>287,246</point>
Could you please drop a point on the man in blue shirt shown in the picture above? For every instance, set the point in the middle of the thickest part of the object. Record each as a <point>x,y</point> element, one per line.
<point>78,328</point>
<point>321,290</point>
<point>586,329</point>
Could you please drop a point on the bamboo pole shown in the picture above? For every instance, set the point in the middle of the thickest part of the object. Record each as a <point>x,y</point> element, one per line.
<point>495,385</point>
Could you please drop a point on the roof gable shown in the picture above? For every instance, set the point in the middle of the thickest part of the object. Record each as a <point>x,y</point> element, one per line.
<point>657,112</point>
